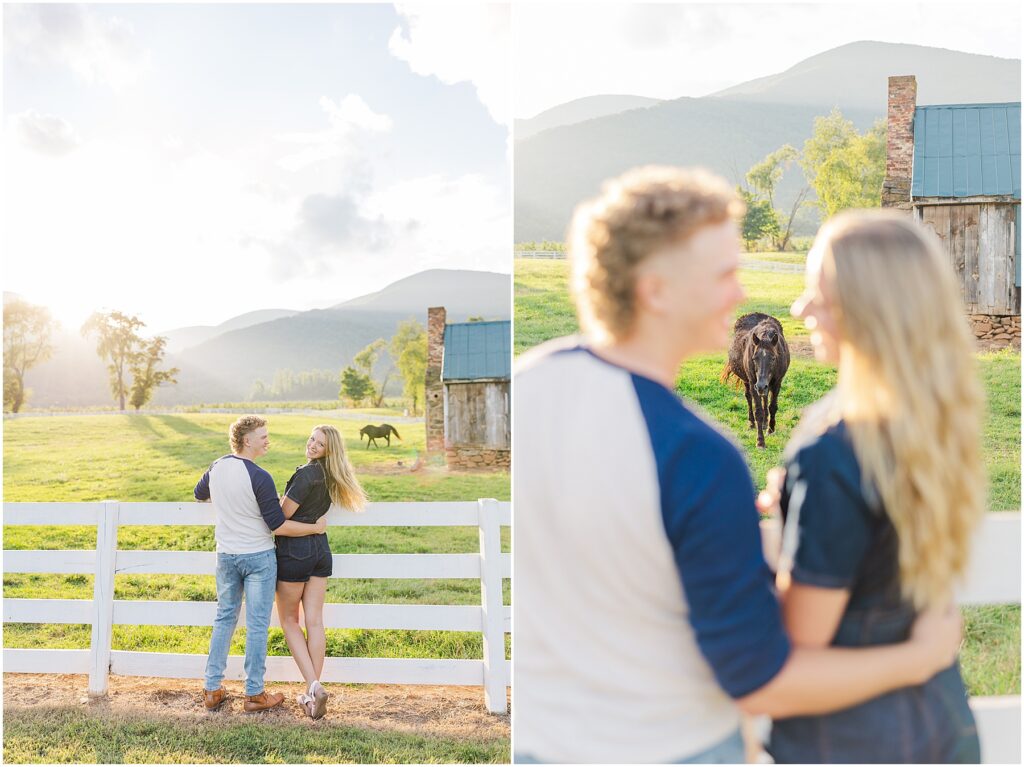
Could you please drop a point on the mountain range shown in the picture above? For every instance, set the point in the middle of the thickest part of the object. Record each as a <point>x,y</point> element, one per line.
<point>564,163</point>
<point>222,363</point>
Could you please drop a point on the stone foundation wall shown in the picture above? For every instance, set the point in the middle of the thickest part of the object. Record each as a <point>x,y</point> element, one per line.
<point>478,458</point>
<point>996,332</point>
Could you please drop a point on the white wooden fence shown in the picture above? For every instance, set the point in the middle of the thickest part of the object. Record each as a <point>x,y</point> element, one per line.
<point>489,566</point>
<point>994,578</point>
<point>540,254</point>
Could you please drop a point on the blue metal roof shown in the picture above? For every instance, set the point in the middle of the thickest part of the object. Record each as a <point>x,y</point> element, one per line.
<point>964,150</point>
<point>474,350</point>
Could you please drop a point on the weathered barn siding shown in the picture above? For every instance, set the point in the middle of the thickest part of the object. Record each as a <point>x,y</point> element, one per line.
<point>478,414</point>
<point>980,240</point>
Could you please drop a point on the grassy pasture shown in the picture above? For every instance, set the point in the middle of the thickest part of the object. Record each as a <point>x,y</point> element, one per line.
<point>159,458</point>
<point>68,734</point>
<point>991,653</point>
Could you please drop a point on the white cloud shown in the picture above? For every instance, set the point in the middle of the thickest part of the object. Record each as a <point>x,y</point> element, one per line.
<point>349,121</point>
<point>98,50</point>
<point>460,43</point>
<point>460,222</point>
<point>45,134</point>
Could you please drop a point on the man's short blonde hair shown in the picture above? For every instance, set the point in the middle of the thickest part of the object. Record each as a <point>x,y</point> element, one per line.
<point>244,425</point>
<point>637,214</point>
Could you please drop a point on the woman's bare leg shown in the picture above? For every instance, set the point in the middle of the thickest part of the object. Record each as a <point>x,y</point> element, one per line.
<point>289,598</point>
<point>313,614</point>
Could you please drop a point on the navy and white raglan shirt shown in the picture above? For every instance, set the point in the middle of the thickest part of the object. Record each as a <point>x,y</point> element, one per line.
<point>246,503</point>
<point>643,602</point>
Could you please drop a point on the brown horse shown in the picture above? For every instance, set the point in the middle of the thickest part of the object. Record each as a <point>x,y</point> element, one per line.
<point>759,357</point>
<point>372,433</point>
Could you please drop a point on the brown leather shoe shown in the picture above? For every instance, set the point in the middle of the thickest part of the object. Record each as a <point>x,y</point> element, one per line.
<point>214,699</point>
<point>262,702</point>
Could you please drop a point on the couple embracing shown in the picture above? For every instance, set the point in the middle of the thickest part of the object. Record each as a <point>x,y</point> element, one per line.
<point>269,545</point>
<point>647,617</point>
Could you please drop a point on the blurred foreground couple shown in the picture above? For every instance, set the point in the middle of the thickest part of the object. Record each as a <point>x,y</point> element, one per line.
<point>647,618</point>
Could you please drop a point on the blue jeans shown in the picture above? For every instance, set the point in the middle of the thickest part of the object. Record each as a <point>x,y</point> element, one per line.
<point>728,751</point>
<point>255,576</point>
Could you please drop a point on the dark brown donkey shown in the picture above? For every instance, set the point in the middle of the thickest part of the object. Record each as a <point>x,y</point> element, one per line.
<point>759,357</point>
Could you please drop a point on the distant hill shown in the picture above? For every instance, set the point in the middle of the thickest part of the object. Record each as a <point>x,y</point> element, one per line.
<point>225,366</point>
<point>182,338</point>
<point>729,131</point>
<point>462,293</point>
<point>578,110</point>
<point>855,76</point>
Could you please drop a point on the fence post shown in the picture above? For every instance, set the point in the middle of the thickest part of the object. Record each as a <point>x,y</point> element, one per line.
<point>103,599</point>
<point>492,607</point>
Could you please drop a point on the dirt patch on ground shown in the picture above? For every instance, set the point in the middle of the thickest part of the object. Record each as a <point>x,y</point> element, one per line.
<point>422,710</point>
<point>800,348</point>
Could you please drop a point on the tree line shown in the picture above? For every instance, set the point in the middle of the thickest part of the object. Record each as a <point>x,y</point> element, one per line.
<point>135,363</point>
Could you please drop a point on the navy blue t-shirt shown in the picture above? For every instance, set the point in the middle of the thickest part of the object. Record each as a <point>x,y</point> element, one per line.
<point>845,541</point>
<point>308,488</point>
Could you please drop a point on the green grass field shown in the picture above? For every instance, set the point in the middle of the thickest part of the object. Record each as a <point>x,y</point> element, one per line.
<point>73,735</point>
<point>159,458</point>
<point>991,655</point>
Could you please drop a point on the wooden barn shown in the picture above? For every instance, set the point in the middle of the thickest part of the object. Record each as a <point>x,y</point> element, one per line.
<point>469,367</point>
<point>957,167</point>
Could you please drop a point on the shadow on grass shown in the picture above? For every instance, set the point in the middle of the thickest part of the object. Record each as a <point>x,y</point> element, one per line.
<point>199,448</point>
<point>64,734</point>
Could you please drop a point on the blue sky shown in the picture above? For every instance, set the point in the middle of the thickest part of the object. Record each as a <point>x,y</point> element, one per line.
<point>189,163</point>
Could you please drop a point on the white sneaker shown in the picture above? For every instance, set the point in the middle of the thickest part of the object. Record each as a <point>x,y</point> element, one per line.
<point>320,697</point>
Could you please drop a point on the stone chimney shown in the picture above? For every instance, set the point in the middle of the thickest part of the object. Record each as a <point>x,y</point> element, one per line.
<point>434,394</point>
<point>899,145</point>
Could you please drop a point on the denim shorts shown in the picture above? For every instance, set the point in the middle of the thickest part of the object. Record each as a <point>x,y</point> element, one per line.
<point>303,557</point>
<point>927,724</point>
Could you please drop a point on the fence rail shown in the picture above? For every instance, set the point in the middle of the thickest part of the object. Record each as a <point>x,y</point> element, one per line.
<point>489,565</point>
<point>540,254</point>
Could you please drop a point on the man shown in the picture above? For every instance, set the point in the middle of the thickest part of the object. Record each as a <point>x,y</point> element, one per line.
<point>645,615</point>
<point>248,516</point>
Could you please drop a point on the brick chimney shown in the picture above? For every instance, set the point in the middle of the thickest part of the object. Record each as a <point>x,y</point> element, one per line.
<point>899,145</point>
<point>434,394</point>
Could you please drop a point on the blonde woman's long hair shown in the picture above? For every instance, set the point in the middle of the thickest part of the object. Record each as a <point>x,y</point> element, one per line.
<point>907,390</point>
<point>342,485</point>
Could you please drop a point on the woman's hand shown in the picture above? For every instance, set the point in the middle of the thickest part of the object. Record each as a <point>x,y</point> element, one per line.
<point>768,499</point>
<point>937,633</point>
<point>321,525</point>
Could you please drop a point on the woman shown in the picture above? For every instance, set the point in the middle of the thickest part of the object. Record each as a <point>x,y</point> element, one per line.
<point>304,564</point>
<point>884,483</point>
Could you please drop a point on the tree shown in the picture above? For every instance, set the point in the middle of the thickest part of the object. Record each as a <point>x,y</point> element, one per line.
<point>845,169</point>
<point>409,351</point>
<point>145,375</point>
<point>759,221</point>
<point>355,385</point>
<point>765,176</point>
<point>27,332</point>
<point>129,356</point>
<point>259,391</point>
<point>366,361</point>
<point>117,341</point>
